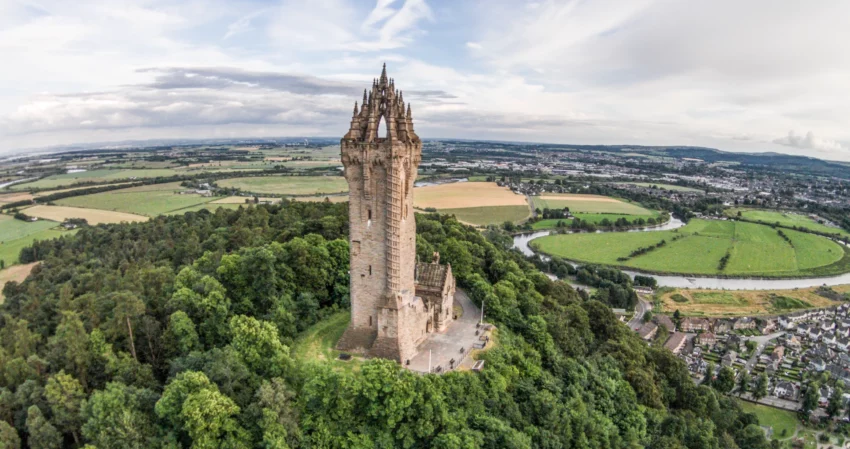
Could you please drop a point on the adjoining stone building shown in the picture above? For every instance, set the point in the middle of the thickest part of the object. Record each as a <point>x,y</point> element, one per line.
<point>395,301</point>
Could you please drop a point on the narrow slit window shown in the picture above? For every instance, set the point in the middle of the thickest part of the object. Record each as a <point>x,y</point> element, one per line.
<point>370,270</point>
<point>370,320</point>
<point>369,212</point>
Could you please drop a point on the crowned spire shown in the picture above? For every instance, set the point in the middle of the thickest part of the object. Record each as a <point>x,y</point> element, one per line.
<point>355,108</point>
<point>384,73</point>
<point>409,115</point>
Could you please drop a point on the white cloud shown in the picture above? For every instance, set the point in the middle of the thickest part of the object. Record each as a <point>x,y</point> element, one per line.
<point>474,45</point>
<point>809,142</point>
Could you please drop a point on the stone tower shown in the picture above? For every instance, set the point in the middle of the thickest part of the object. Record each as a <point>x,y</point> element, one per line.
<point>388,319</point>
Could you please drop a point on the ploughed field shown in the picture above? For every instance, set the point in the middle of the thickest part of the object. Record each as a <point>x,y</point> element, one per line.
<point>697,248</point>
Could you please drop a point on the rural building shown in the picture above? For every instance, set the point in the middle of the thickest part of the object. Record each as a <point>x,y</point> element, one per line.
<point>676,342</point>
<point>665,321</point>
<point>648,330</point>
<point>707,338</point>
<point>395,302</point>
<point>694,325</point>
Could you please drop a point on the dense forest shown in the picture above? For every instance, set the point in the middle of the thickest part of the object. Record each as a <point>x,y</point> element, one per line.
<point>176,333</point>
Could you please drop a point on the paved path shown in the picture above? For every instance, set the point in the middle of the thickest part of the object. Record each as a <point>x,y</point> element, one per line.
<point>762,341</point>
<point>445,346</point>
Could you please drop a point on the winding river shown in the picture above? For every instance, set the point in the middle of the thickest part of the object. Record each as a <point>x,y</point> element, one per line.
<point>521,243</point>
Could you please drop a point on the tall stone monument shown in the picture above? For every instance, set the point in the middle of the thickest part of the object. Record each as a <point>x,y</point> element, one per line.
<point>395,301</point>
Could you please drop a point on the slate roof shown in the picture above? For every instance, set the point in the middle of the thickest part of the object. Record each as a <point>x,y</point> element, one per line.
<point>431,275</point>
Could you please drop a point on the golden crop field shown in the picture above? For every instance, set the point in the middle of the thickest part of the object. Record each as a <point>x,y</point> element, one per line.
<point>93,216</point>
<point>465,194</point>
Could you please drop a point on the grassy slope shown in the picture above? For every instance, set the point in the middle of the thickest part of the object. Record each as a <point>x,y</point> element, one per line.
<point>756,250</point>
<point>316,344</point>
<point>288,185</point>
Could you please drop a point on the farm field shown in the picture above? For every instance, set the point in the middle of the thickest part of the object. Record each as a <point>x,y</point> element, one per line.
<point>488,215</point>
<point>476,203</point>
<point>13,229</point>
<point>588,204</point>
<point>11,249</point>
<point>697,248</point>
<point>786,219</point>
<point>149,200</point>
<point>288,185</point>
<point>551,223</point>
<point>15,273</point>
<point>15,197</point>
<point>96,176</point>
<point>92,216</point>
<point>729,303</point>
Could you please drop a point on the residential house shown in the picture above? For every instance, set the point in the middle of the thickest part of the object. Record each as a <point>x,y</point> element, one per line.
<point>648,330</point>
<point>803,329</point>
<point>694,325</point>
<point>729,358</point>
<point>707,338</point>
<point>744,323</point>
<point>771,367</point>
<point>676,342</point>
<point>843,344</point>
<point>722,326</point>
<point>785,390</point>
<point>815,333</point>
<point>827,326</point>
<point>665,321</point>
<point>823,395</point>
<point>829,339</point>
<point>793,343</point>
<point>817,364</point>
<point>766,326</point>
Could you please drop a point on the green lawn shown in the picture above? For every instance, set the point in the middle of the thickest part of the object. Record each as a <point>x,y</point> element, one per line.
<point>288,185</point>
<point>488,215</point>
<point>779,420</point>
<point>151,200</point>
<point>589,204</point>
<point>755,250</point>
<point>316,344</point>
<point>99,175</point>
<point>791,219</point>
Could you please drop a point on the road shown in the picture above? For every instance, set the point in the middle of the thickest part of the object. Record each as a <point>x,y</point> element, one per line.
<point>762,341</point>
<point>642,307</point>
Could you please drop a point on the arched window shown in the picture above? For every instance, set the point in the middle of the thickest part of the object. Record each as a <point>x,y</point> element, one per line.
<point>382,128</point>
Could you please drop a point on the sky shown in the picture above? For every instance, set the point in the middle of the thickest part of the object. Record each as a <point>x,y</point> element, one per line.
<point>753,75</point>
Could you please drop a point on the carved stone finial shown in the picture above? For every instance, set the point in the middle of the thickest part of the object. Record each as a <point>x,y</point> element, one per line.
<point>436,257</point>
<point>409,115</point>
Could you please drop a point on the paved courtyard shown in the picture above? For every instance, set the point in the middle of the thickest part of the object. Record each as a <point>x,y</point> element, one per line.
<point>444,347</point>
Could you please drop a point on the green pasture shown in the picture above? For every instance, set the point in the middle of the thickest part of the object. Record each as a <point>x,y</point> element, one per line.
<point>603,205</point>
<point>150,200</point>
<point>11,249</point>
<point>790,219</point>
<point>318,343</point>
<point>488,215</point>
<point>97,176</point>
<point>755,250</point>
<point>288,185</point>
